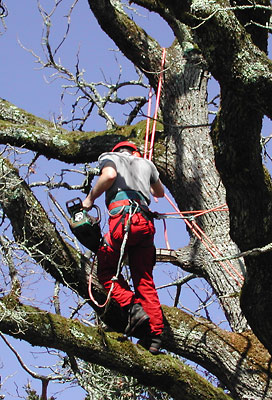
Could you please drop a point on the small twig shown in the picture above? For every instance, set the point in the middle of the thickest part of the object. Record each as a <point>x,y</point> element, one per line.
<point>3,10</point>
<point>179,282</point>
<point>23,365</point>
<point>177,296</point>
<point>253,252</point>
<point>15,283</point>
<point>235,8</point>
<point>265,139</point>
<point>56,185</point>
<point>77,309</point>
<point>56,301</point>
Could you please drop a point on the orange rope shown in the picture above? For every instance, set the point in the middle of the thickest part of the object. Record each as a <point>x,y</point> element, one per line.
<point>198,232</point>
<point>219,208</point>
<point>197,213</point>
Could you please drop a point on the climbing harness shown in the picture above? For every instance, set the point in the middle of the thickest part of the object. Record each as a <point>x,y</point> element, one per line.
<point>133,209</point>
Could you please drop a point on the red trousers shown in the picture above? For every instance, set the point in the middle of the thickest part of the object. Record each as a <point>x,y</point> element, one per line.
<point>141,258</point>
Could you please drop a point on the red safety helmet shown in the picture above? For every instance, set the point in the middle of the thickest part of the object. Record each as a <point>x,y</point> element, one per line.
<point>129,145</point>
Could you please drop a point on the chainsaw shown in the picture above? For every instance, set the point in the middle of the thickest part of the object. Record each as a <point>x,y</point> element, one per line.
<point>85,227</point>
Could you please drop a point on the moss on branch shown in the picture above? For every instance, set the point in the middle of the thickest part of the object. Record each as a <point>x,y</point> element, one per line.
<point>110,350</point>
<point>19,128</point>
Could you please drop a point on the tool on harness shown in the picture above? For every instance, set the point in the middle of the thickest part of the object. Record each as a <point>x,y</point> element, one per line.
<point>85,227</point>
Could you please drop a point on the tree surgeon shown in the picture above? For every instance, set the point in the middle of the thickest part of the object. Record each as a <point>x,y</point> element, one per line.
<point>127,180</point>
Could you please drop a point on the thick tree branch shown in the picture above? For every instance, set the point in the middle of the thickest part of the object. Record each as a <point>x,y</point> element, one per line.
<point>239,354</point>
<point>107,349</point>
<point>197,338</point>
<point>19,128</point>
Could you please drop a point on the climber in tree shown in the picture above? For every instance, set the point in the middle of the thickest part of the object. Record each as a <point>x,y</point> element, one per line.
<point>128,179</point>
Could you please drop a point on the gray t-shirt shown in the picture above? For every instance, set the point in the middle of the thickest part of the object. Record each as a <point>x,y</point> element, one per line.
<point>133,173</point>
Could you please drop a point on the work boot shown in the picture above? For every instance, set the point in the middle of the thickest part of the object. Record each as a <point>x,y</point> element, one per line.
<point>151,343</point>
<point>137,319</point>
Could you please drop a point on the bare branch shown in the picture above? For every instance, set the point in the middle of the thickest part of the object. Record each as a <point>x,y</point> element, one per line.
<point>179,282</point>
<point>25,367</point>
<point>3,10</point>
<point>253,252</point>
<point>15,283</point>
<point>235,8</point>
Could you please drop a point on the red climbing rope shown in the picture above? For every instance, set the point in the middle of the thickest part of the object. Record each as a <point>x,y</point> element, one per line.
<point>155,112</point>
<point>90,290</point>
<point>148,121</point>
<point>157,105</point>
